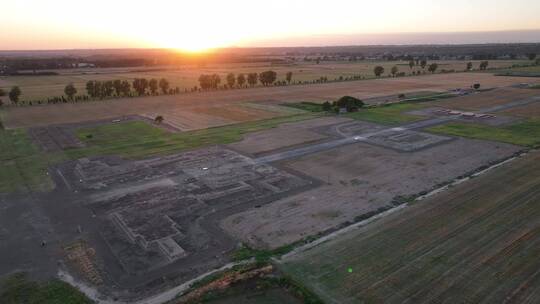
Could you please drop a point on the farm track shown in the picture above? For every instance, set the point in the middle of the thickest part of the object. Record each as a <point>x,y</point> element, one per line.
<point>477,243</point>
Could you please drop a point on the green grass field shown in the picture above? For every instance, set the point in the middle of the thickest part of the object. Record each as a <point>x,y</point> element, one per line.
<point>22,166</point>
<point>138,139</point>
<point>479,242</point>
<point>530,71</point>
<point>17,289</point>
<point>306,106</point>
<point>391,114</point>
<point>524,133</point>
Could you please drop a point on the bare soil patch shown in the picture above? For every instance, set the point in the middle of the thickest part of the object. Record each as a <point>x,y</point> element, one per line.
<point>528,111</point>
<point>285,136</point>
<point>155,217</point>
<point>472,117</point>
<point>482,100</point>
<point>476,243</point>
<point>358,179</point>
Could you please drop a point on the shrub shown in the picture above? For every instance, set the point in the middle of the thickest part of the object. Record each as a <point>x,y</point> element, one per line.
<point>352,104</point>
<point>327,106</point>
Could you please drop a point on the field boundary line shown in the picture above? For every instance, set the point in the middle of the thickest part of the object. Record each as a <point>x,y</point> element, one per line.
<point>159,298</point>
<point>390,211</point>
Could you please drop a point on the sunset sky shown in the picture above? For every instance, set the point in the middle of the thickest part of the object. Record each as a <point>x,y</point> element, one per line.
<point>198,25</point>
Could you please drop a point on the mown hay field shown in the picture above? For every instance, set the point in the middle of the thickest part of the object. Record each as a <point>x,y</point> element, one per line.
<point>41,87</point>
<point>479,242</point>
<point>199,110</point>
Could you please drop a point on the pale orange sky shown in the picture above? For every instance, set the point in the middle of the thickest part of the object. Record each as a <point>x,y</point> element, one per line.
<point>195,25</point>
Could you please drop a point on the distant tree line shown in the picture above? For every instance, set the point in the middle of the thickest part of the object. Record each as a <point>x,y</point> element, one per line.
<point>143,87</point>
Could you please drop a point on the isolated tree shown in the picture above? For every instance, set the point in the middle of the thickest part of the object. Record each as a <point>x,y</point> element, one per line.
<point>326,106</point>
<point>476,86</point>
<point>209,81</point>
<point>288,77</point>
<point>423,64</point>
<point>2,93</point>
<point>469,66</point>
<point>126,87</point>
<point>117,84</point>
<point>159,119</point>
<point>433,67</point>
<point>153,85</point>
<point>267,77</point>
<point>378,70</point>
<point>108,88</point>
<point>411,64</point>
<point>98,88</point>
<point>140,85</point>
<point>394,70</point>
<point>204,81</point>
<point>252,79</point>
<point>484,65</point>
<point>70,91</point>
<point>241,80</point>
<point>90,88</point>
<point>164,85</point>
<point>350,103</point>
<point>216,80</point>
<point>231,80</point>
<point>531,56</point>
<point>14,94</point>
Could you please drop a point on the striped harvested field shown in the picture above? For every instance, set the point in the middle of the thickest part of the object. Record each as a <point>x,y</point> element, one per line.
<point>476,243</point>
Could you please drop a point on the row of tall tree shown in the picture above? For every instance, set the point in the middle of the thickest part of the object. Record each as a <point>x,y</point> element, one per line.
<point>266,78</point>
<point>141,86</point>
<point>379,70</point>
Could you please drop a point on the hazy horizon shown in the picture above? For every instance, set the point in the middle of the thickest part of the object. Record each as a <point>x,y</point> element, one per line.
<point>195,26</point>
<point>389,39</point>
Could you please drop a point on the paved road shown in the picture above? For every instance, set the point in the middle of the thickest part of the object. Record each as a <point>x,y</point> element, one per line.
<point>315,148</point>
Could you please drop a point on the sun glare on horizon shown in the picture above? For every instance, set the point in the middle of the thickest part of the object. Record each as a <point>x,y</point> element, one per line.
<point>194,26</point>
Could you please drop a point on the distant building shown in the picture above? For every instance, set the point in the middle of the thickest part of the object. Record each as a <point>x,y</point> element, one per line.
<point>85,65</point>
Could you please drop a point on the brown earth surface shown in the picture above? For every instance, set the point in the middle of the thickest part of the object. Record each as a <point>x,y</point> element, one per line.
<point>358,179</point>
<point>528,111</point>
<point>478,242</point>
<point>184,108</point>
<point>285,136</point>
<point>483,100</point>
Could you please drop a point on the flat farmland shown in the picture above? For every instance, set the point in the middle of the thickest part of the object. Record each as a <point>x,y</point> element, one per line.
<point>478,242</point>
<point>40,87</point>
<point>483,100</point>
<point>356,179</point>
<point>528,111</point>
<point>194,104</point>
<point>521,71</point>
